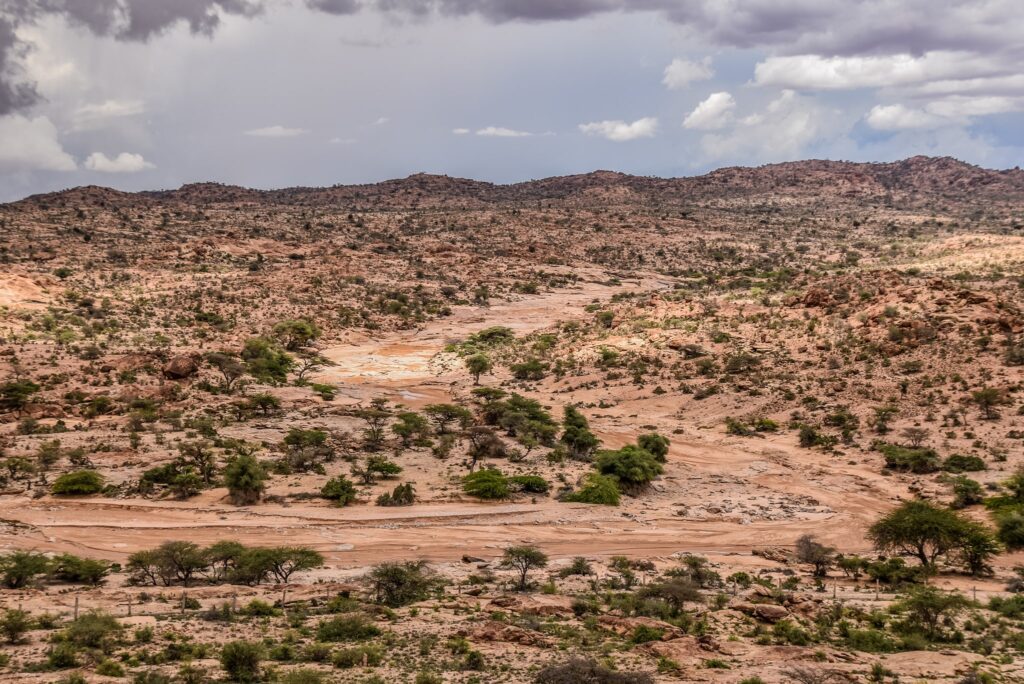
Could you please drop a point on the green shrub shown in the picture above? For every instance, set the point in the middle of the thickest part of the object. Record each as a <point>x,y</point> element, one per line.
<point>963,464</point>
<point>78,483</point>
<point>919,460</point>
<point>241,660</point>
<point>340,490</point>
<point>596,489</point>
<point>531,484</point>
<point>370,655</point>
<point>487,483</point>
<point>110,668</point>
<point>631,466</point>
<point>349,627</point>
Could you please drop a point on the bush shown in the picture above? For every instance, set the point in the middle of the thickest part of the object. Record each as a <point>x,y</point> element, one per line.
<point>245,479</point>
<point>78,483</point>
<point>14,624</point>
<point>596,489</point>
<point>579,670</point>
<point>369,655</point>
<point>18,569</point>
<point>919,460</point>
<point>69,568</point>
<point>349,627</point>
<point>531,484</point>
<point>62,656</point>
<point>94,629</point>
<point>340,490</point>
<point>963,464</point>
<point>399,584</point>
<point>1010,530</point>
<point>486,483</point>
<point>654,444</point>
<point>266,361</point>
<point>241,660</point>
<point>110,668</point>
<point>631,466</point>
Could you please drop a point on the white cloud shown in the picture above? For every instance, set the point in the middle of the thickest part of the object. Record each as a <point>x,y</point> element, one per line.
<point>96,115</point>
<point>962,106</point>
<point>621,131</point>
<point>126,162</point>
<point>897,117</point>
<point>956,110</point>
<point>275,132</point>
<point>499,132</point>
<point>714,112</point>
<point>342,141</point>
<point>31,145</point>
<point>381,121</point>
<point>682,72</point>
<point>461,131</point>
<point>783,131</point>
<point>815,72</point>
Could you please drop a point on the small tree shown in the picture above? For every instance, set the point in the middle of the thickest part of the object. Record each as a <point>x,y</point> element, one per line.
<point>477,365</point>
<point>811,552</point>
<point>229,367</point>
<point>18,569</point>
<point>579,441</point>
<point>987,399</point>
<point>444,415</point>
<point>241,661</point>
<point>266,361</point>
<point>284,561</point>
<point>915,436</point>
<point>883,417</point>
<point>296,333</point>
<point>522,559</point>
<point>918,528</point>
<point>16,394</point>
<point>927,606</point>
<point>14,623</point>
<point>245,479</point>
<point>399,584</point>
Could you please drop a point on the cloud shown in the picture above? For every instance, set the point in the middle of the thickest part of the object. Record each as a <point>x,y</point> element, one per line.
<point>96,115</point>
<point>129,20</point>
<point>31,145</point>
<point>342,141</point>
<point>126,162</point>
<point>620,131</point>
<point>714,112</point>
<point>898,117</point>
<point>499,132</point>
<point>334,6</point>
<point>784,130</point>
<point>380,121</point>
<point>682,72</point>
<point>275,132</point>
<point>461,131</point>
<point>814,72</point>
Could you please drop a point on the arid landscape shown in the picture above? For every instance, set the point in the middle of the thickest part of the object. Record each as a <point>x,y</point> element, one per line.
<point>760,425</point>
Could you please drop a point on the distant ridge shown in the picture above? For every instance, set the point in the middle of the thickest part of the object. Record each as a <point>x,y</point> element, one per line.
<point>914,178</point>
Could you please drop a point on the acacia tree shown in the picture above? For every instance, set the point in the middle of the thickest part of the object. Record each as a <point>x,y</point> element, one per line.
<point>229,367</point>
<point>477,365</point>
<point>522,559</point>
<point>920,529</point>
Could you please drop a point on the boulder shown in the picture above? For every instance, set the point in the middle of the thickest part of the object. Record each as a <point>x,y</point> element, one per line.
<point>180,367</point>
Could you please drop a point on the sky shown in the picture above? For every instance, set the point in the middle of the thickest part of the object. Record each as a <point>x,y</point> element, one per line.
<point>148,94</point>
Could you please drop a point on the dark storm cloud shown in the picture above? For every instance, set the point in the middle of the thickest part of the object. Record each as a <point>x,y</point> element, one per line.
<point>134,20</point>
<point>822,27</point>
